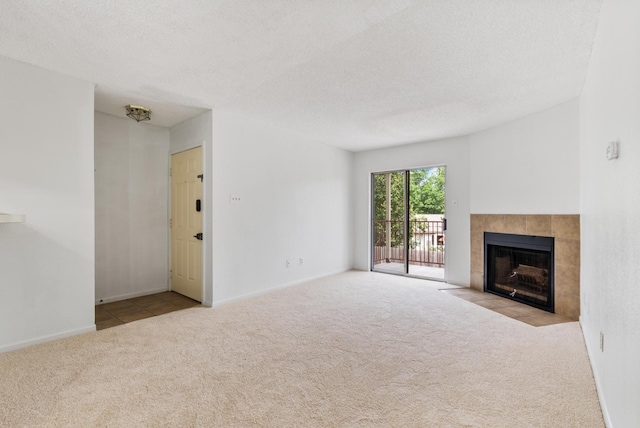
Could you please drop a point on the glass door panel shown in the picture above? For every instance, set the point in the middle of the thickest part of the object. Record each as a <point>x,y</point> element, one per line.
<point>426,222</point>
<point>389,225</point>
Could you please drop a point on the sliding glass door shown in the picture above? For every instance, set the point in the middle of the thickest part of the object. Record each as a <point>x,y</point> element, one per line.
<point>408,222</point>
<point>389,226</point>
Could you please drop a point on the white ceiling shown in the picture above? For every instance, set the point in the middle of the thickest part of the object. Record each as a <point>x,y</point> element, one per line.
<point>356,74</point>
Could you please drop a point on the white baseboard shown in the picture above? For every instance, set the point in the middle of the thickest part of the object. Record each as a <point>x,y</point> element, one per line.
<point>270,289</point>
<point>48,338</point>
<point>130,295</point>
<point>596,377</point>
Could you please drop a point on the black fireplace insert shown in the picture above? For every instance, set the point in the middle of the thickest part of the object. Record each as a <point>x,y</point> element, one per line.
<point>520,267</point>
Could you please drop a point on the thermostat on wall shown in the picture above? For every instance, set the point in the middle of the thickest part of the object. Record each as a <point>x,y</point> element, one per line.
<point>612,150</point>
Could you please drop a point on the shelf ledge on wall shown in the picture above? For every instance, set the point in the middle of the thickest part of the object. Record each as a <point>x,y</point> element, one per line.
<point>12,218</point>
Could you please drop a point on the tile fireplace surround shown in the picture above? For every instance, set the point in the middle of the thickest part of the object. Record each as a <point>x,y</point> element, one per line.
<point>566,231</point>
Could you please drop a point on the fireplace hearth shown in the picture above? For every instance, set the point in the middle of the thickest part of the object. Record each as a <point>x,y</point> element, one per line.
<point>521,268</point>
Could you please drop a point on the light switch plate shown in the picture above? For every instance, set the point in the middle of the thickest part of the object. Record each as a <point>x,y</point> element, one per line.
<point>612,150</point>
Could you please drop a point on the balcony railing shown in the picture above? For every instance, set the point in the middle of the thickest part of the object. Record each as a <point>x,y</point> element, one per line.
<point>426,242</point>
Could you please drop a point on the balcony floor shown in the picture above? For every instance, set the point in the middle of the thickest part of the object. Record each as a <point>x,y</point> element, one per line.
<point>415,270</point>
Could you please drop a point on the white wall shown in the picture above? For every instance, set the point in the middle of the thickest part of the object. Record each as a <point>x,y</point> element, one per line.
<point>184,136</point>
<point>296,203</point>
<point>528,166</point>
<point>454,153</point>
<point>46,172</point>
<point>131,185</point>
<point>610,212</point>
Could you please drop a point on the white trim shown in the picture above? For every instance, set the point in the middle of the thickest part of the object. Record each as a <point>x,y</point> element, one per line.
<point>603,403</point>
<point>130,295</point>
<point>269,290</point>
<point>205,225</point>
<point>43,339</point>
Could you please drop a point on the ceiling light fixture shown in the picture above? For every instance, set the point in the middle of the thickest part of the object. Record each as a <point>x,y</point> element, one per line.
<point>138,113</point>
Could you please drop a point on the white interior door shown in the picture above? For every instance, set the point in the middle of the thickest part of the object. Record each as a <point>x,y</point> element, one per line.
<point>186,223</point>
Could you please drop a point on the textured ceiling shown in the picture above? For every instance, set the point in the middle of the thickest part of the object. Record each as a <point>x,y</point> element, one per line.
<point>356,74</point>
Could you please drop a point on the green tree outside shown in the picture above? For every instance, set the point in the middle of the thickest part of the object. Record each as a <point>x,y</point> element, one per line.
<point>426,196</point>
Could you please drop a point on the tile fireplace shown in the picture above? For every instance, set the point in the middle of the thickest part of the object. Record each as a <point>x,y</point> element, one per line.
<point>564,273</point>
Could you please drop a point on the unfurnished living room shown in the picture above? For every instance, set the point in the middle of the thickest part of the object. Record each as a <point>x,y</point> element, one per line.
<point>369,213</point>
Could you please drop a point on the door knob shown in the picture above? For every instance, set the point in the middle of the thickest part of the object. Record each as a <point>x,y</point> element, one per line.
<point>198,236</point>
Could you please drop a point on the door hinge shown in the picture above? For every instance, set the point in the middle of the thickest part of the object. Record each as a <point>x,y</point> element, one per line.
<point>170,223</point>
<point>169,172</point>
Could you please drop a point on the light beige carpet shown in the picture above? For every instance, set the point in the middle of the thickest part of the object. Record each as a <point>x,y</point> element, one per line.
<point>354,350</point>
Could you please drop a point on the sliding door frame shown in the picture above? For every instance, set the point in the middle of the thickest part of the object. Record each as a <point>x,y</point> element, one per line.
<point>406,200</point>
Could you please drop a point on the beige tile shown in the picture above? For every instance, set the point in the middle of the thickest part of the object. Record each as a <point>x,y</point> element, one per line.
<point>568,309</point>
<point>477,240</point>
<point>477,281</point>
<point>102,315</point>
<point>164,308</point>
<point>494,223</point>
<point>518,311</point>
<point>166,295</point>
<point>516,224</point>
<point>568,305</point>
<point>175,297</point>
<point>477,262</point>
<point>144,301</point>
<point>116,313</point>
<point>477,222</point>
<point>539,225</point>
<point>567,279</point>
<point>112,322</point>
<point>135,316</point>
<point>495,303</point>
<point>565,226</point>
<point>567,291</point>
<point>186,304</point>
<point>509,311</point>
<point>119,313</point>
<point>567,252</point>
<point>122,304</point>
<point>527,310</point>
<point>478,296</point>
<point>543,320</point>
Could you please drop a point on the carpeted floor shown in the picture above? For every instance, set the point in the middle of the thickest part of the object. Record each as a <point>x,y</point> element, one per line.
<point>354,350</point>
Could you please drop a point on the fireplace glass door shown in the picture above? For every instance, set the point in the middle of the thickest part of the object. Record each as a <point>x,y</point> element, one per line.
<point>521,268</point>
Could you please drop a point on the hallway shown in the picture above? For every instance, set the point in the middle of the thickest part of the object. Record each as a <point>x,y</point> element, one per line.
<point>125,311</point>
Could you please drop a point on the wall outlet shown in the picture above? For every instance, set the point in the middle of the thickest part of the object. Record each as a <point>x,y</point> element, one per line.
<point>288,264</point>
<point>602,341</point>
<point>300,261</point>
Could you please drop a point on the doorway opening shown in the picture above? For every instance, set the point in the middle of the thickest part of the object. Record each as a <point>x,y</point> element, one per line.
<point>408,222</point>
